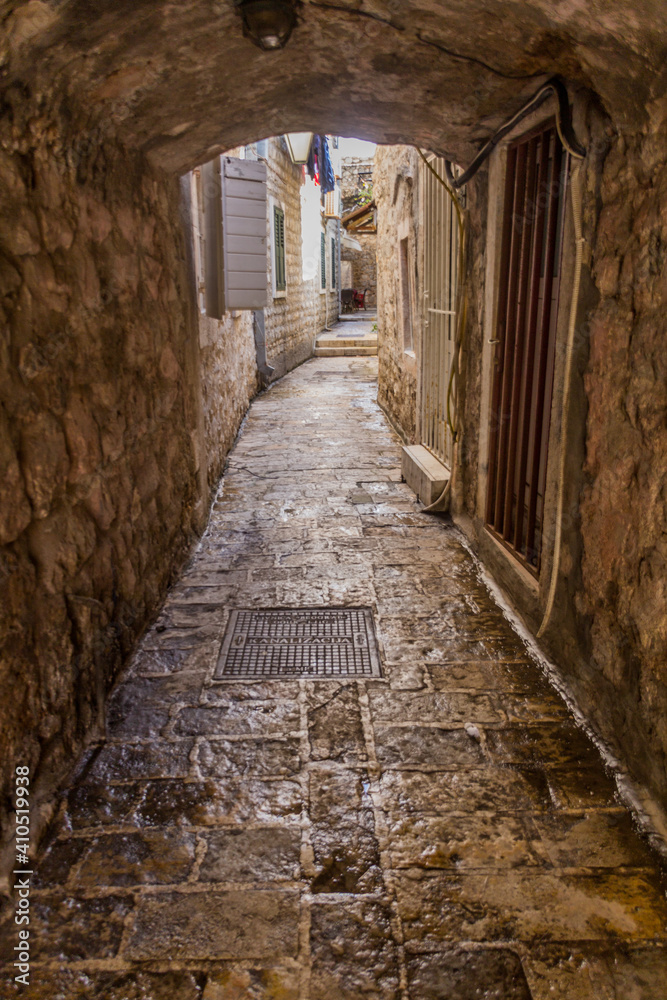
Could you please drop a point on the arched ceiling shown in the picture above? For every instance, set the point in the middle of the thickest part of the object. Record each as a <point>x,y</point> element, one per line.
<point>177,78</point>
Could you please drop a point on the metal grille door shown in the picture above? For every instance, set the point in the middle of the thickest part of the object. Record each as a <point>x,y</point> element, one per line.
<point>441,255</point>
<point>525,342</point>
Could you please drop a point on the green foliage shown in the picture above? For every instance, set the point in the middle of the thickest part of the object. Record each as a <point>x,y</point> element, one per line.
<point>364,196</point>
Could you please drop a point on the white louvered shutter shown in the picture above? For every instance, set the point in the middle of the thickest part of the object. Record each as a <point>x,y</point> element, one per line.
<point>244,233</point>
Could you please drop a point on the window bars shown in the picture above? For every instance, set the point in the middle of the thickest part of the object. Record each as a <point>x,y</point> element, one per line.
<point>525,341</point>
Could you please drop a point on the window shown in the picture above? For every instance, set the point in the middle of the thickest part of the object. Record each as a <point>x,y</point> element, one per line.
<point>323,263</point>
<point>406,293</point>
<point>333,262</point>
<point>279,275</point>
<point>526,342</point>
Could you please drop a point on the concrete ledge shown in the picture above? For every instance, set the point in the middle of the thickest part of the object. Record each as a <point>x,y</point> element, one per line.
<point>423,473</point>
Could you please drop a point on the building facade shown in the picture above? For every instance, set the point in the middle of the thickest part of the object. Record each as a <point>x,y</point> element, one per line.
<point>523,397</point>
<point>298,288</point>
<point>359,254</point>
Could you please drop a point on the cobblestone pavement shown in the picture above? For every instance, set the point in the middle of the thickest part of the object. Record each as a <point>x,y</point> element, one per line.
<point>446,832</point>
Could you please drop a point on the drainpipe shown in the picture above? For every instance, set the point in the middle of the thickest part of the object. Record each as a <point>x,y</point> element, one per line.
<point>264,368</point>
<point>339,283</point>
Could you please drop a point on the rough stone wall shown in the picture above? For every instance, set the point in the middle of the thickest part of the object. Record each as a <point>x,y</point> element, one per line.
<point>608,631</point>
<point>609,627</point>
<point>364,266</point>
<point>624,501</point>
<point>101,445</point>
<point>228,382</point>
<point>293,322</point>
<point>115,418</point>
<point>395,177</point>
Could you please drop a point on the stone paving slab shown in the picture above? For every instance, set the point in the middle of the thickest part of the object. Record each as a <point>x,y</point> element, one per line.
<point>445,832</point>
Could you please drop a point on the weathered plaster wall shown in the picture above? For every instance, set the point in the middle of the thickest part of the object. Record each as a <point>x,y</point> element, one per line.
<point>395,180</point>
<point>102,485</point>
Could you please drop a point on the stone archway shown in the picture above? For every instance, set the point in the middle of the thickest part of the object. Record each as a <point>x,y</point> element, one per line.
<point>105,104</point>
<point>179,82</point>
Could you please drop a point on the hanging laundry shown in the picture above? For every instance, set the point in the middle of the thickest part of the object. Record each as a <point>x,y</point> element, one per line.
<point>313,164</point>
<point>327,176</point>
<point>319,163</point>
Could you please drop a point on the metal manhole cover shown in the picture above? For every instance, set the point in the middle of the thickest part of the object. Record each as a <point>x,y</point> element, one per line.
<point>299,642</point>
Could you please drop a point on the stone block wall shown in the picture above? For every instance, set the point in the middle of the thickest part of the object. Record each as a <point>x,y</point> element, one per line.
<point>364,266</point>
<point>293,321</point>
<point>227,346</point>
<point>608,630</point>
<point>623,506</point>
<point>119,402</point>
<point>103,478</point>
<point>228,383</point>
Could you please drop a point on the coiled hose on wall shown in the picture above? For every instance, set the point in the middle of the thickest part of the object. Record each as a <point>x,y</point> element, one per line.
<point>564,127</point>
<point>576,198</point>
<point>570,142</point>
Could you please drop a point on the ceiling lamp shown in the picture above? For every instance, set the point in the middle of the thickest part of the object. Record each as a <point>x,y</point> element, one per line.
<point>268,23</point>
<point>298,144</point>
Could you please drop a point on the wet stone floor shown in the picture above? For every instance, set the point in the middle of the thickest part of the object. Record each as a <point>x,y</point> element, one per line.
<point>444,832</point>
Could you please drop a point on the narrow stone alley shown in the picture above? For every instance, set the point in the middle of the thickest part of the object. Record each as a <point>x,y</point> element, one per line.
<point>445,831</point>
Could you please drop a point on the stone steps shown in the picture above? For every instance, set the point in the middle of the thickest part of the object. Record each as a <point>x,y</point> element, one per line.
<point>347,340</point>
<point>334,352</point>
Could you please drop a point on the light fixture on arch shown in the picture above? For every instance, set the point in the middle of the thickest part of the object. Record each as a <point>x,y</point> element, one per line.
<point>268,23</point>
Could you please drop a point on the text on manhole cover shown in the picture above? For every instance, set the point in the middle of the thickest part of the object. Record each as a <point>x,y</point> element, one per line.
<point>299,642</point>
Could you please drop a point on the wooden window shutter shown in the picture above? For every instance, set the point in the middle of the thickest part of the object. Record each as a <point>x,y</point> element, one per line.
<point>332,204</point>
<point>333,262</point>
<point>279,248</point>
<point>214,300</point>
<point>244,230</point>
<point>323,261</point>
